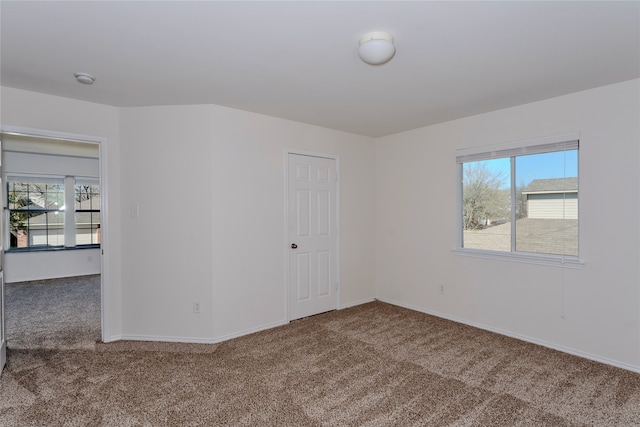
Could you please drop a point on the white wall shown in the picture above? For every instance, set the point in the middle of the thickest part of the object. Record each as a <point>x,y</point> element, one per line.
<point>416,216</point>
<point>214,177</point>
<point>38,265</point>
<point>51,113</point>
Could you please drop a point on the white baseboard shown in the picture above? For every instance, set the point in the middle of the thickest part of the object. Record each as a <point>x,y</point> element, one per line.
<point>250,331</point>
<point>163,338</point>
<point>219,339</point>
<point>355,303</point>
<point>112,338</point>
<point>543,343</point>
<point>194,340</point>
<point>388,301</point>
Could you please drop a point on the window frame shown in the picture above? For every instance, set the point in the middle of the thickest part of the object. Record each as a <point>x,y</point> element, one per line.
<point>512,150</point>
<point>82,181</point>
<point>68,195</point>
<point>38,180</point>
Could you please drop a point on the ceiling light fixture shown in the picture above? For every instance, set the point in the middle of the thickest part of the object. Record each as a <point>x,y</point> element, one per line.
<point>376,48</point>
<point>84,78</point>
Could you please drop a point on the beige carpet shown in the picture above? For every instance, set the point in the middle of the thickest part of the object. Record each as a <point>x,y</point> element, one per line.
<point>371,365</point>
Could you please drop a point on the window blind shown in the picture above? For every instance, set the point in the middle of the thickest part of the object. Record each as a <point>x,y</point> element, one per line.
<point>536,146</point>
<point>39,179</point>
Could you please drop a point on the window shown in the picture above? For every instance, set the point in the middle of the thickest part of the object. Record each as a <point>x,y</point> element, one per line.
<point>520,200</point>
<point>38,218</point>
<point>87,212</point>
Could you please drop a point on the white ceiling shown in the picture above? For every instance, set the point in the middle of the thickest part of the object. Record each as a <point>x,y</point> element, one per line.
<point>299,61</point>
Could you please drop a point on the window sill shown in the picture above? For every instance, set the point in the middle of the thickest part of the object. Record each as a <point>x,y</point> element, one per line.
<point>526,258</point>
<point>50,249</point>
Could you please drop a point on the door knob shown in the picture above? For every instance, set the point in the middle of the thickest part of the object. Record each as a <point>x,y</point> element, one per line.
<point>294,246</point>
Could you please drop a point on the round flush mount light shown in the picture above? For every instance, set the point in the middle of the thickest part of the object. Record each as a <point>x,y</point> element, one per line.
<point>376,48</point>
<point>84,78</point>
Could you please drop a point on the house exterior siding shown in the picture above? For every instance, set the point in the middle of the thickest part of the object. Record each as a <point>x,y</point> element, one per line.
<point>553,205</point>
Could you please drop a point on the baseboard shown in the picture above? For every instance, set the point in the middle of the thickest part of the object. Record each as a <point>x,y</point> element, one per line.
<point>194,340</point>
<point>113,338</point>
<point>388,301</point>
<point>215,340</point>
<point>355,303</point>
<point>250,331</point>
<point>536,341</point>
<point>163,338</point>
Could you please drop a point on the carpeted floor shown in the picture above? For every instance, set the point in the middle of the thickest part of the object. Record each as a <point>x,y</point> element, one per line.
<point>371,365</point>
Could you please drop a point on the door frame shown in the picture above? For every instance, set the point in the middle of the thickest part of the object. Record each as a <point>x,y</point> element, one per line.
<point>287,238</point>
<point>104,235</point>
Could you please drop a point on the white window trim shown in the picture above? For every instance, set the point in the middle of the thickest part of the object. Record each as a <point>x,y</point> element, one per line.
<point>523,257</point>
<point>516,148</point>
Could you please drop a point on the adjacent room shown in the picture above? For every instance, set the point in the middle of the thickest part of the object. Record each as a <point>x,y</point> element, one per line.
<point>51,264</point>
<point>323,213</point>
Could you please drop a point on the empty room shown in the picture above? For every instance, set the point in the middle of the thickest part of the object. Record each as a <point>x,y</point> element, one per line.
<point>321,213</point>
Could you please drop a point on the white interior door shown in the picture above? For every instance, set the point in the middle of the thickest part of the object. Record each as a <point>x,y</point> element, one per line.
<point>312,215</point>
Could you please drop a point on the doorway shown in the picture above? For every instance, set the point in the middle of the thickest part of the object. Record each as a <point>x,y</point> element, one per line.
<point>313,233</point>
<point>58,251</point>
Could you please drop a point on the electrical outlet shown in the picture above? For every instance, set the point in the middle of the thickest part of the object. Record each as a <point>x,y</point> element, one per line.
<point>441,288</point>
<point>196,307</point>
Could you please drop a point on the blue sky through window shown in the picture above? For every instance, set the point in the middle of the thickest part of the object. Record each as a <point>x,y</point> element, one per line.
<point>559,164</point>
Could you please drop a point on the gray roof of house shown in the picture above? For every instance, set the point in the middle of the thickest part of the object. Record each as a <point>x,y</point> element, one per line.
<point>547,236</point>
<point>552,185</point>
